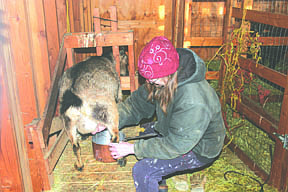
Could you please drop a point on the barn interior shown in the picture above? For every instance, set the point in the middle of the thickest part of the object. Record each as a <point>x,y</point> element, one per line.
<point>244,44</point>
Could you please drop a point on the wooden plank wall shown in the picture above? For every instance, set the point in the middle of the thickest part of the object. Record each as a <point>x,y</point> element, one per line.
<point>34,29</point>
<point>9,180</point>
<point>141,16</point>
<point>147,19</point>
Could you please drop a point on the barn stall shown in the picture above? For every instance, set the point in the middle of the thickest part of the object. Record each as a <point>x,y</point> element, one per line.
<point>40,39</point>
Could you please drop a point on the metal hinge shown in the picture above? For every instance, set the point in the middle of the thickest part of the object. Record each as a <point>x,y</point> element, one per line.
<point>283,139</point>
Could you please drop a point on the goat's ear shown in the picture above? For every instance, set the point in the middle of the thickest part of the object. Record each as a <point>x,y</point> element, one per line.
<point>69,99</point>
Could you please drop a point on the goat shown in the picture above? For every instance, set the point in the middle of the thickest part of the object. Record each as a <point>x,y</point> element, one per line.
<point>88,95</point>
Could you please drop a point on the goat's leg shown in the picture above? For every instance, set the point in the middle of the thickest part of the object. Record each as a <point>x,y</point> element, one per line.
<point>77,151</point>
<point>114,115</point>
<point>72,133</point>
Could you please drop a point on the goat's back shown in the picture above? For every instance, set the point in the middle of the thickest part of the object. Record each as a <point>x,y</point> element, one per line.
<point>95,76</point>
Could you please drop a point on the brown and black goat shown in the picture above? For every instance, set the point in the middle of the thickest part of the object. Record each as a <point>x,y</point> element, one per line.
<point>89,92</point>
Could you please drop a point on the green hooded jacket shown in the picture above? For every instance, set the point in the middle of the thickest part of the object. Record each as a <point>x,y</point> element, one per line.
<point>193,121</point>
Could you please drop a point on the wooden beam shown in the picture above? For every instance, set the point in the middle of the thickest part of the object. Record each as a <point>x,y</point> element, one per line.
<point>273,41</point>
<point>56,150</point>
<point>258,119</point>
<point>279,172</point>
<point>133,80</point>
<point>204,41</point>
<point>249,162</point>
<point>227,21</point>
<point>137,24</point>
<point>56,125</point>
<point>70,57</point>
<point>225,36</point>
<point>270,98</point>
<point>39,170</point>
<point>251,102</point>
<point>46,119</point>
<point>84,40</point>
<point>277,20</point>
<point>262,71</point>
<point>180,23</point>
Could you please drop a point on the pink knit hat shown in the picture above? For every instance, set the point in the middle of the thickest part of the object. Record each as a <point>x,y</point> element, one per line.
<point>158,59</point>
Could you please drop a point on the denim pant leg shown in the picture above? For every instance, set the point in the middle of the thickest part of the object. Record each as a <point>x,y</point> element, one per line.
<point>147,173</point>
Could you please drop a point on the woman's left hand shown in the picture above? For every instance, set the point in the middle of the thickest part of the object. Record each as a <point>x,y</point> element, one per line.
<point>121,149</point>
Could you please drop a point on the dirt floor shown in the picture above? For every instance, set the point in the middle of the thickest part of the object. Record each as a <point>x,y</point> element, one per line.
<point>98,176</point>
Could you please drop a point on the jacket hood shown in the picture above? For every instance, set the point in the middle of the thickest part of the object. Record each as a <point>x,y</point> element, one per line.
<point>191,67</point>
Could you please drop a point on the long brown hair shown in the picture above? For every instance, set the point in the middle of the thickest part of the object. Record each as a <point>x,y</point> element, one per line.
<point>163,94</point>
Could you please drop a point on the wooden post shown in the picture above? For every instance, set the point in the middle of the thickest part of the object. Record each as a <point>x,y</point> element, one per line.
<point>279,170</point>
<point>170,19</point>
<point>188,10</point>
<point>226,31</point>
<point>180,24</point>
<point>114,28</point>
<point>70,57</point>
<point>133,80</point>
<point>46,120</point>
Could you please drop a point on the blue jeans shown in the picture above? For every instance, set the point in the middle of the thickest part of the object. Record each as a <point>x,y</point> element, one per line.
<point>148,172</point>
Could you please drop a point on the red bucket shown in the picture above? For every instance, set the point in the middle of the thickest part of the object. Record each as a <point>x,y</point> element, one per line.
<point>102,153</point>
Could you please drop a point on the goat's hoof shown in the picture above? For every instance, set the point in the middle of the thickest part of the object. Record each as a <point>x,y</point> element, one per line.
<point>122,162</point>
<point>78,168</point>
<point>115,139</point>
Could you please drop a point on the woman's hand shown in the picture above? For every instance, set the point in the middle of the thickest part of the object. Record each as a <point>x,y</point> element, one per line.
<point>121,149</point>
<point>99,128</point>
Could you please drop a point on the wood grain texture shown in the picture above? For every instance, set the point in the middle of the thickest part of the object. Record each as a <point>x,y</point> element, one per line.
<point>277,20</point>
<point>52,33</point>
<point>39,51</point>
